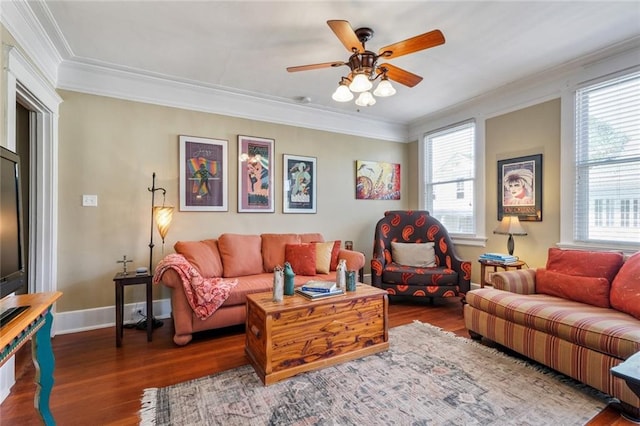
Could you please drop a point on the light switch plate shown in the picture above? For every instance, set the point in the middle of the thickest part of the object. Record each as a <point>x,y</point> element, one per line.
<point>90,201</point>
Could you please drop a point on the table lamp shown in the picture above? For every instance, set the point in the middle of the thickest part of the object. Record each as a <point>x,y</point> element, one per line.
<point>510,225</point>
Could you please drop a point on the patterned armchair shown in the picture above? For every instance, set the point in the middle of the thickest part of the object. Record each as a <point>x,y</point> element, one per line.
<point>451,276</point>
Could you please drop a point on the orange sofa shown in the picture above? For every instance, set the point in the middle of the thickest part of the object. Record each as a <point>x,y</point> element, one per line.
<point>249,259</point>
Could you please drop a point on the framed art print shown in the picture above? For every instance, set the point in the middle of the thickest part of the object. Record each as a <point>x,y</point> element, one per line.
<point>520,188</point>
<point>203,174</point>
<point>299,186</point>
<point>255,175</point>
<point>376,180</point>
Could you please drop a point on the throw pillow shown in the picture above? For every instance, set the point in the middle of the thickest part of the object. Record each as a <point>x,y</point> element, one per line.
<point>591,290</point>
<point>323,257</point>
<point>202,255</point>
<point>241,254</point>
<point>302,258</point>
<point>334,255</point>
<point>418,255</point>
<point>625,288</point>
<point>584,263</point>
<point>273,249</point>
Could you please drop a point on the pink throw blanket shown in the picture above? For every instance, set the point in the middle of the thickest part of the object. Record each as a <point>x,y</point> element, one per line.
<point>204,295</point>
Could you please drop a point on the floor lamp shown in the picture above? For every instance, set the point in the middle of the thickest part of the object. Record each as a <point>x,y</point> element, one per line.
<point>162,216</point>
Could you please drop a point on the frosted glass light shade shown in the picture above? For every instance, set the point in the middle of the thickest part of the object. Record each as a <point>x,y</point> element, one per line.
<point>163,216</point>
<point>384,89</point>
<point>342,94</point>
<point>365,99</point>
<point>360,83</point>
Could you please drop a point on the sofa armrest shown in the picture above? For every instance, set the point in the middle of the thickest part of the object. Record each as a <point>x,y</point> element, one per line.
<point>521,281</point>
<point>171,279</point>
<point>355,259</point>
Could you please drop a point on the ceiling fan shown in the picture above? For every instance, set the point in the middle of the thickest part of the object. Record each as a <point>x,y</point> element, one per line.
<point>364,65</point>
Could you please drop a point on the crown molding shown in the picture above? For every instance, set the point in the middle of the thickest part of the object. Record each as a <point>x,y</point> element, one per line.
<point>121,83</point>
<point>20,20</point>
<point>33,27</point>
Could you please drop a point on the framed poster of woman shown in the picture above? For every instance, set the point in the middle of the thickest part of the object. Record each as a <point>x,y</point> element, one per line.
<point>520,188</point>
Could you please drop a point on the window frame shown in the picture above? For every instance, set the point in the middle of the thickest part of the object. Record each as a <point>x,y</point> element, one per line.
<point>568,161</point>
<point>476,238</point>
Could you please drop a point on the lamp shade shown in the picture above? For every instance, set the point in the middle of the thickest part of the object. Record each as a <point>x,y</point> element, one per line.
<point>384,89</point>
<point>163,216</point>
<point>510,225</point>
<point>365,99</point>
<point>342,94</point>
<point>360,83</point>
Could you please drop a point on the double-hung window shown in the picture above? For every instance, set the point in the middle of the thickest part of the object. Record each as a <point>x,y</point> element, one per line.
<point>449,176</point>
<point>607,160</point>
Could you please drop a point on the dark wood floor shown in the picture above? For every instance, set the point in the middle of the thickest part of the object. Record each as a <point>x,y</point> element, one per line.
<point>99,384</point>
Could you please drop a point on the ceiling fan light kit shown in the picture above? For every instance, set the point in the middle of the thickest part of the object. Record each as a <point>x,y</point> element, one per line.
<point>364,63</point>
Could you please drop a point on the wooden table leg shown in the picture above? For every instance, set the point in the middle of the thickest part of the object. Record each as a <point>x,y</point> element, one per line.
<point>483,269</point>
<point>119,312</point>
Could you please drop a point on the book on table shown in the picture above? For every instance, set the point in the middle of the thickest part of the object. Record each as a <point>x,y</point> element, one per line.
<point>498,258</point>
<point>317,295</point>
<point>320,286</point>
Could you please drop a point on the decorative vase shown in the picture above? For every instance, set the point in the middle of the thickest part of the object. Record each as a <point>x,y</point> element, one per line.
<point>288,279</point>
<point>278,284</point>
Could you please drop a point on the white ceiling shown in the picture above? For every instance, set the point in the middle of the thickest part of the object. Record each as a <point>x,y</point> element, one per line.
<point>245,47</point>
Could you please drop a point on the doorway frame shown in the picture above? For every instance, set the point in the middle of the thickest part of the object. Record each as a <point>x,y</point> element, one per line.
<point>26,85</point>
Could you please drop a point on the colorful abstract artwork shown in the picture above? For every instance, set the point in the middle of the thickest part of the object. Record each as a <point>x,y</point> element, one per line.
<point>377,180</point>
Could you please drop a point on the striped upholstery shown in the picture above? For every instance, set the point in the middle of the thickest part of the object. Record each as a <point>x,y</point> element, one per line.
<point>601,329</point>
<point>581,363</point>
<point>521,281</point>
<point>576,339</point>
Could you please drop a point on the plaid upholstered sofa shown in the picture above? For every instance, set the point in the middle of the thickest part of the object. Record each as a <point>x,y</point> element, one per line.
<point>580,315</point>
<point>443,274</point>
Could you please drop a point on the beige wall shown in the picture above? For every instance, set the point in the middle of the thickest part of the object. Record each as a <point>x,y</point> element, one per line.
<point>532,130</point>
<point>110,148</point>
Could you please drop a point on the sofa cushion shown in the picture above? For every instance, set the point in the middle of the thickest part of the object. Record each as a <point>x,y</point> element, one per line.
<point>311,238</point>
<point>603,330</point>
<point>583,263</point>
<point>419,255</point>
<point>323,257</point>
<point>591,290</point>
<point>241,254</point>
<point>202,255</point>
<point>273,249</point>
<point>302,258</point>
<point>334,254</point>
<point>625,288</point>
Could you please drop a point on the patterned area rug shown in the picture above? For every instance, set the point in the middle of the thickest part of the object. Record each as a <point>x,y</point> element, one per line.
<point>427,377</point>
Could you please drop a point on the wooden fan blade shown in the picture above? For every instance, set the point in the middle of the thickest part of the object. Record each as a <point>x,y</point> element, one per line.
<point>401,76</point>
<point>413,44</point>
<point>315,66</point>
<point>346,35</point>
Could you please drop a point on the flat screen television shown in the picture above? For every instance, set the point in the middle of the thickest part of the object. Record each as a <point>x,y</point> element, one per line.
<point>12,269</point>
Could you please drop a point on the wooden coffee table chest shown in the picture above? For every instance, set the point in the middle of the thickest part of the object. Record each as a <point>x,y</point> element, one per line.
<point>297,335</point>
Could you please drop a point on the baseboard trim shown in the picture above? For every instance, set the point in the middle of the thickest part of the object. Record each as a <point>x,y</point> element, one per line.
<point>95,318</point>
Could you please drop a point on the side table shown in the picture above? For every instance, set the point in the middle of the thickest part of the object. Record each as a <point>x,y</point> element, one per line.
<point>506,266</point>
<point>629,371</point>
<point>121,279</point>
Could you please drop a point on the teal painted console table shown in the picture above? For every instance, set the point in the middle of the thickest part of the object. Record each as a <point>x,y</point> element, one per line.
<point>35,324</point>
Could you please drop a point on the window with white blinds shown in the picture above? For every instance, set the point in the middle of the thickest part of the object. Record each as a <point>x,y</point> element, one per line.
<point>449,176</point>
<point>607,191</point>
